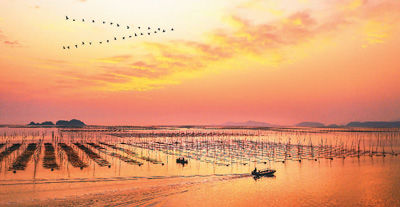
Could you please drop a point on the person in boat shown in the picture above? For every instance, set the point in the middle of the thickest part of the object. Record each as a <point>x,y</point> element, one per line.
<point>255,170</point>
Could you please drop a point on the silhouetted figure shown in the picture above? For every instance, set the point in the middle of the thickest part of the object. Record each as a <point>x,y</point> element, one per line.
<point>68,47</point>
<point>117,25</point>
<point>83,20</point>
<point>163,30</point>
<point>141,33</point>
<point>130,36</point>
<point>148,27</point>
<point>255,170</point>
<point>104,22</point>
<point>115,38</point>
<point>108,41</point>
<point>155,31</point>
<point>63,47</point>
<point>83,43</point>
<point>138,27</point>
<point>158,29</point>
<point>76,46</point>
<point>123,38</point>
<point>92,21</point>
<point>100,42</point>
<point>66,17</point>
<point>90,43</point>
<point>73,20</point>
<point>127,27</point>
<point>111,23</point>
<point>148,33</point>
<point>172,29</point>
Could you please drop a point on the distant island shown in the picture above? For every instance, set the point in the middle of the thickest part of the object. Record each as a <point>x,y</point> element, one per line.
<point>60,123</point>
<point>310,124</point>
<point>366,124</point>
<point>377,124</point>
<point>248,124</point>
<point>46,123</point>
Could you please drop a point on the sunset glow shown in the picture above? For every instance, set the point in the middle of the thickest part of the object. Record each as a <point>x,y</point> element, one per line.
<point>281,62</point>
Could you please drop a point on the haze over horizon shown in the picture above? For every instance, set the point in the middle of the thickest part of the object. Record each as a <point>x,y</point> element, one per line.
<point>278,62</point>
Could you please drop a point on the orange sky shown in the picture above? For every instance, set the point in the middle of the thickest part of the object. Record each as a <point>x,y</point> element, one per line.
<point>280,62</point>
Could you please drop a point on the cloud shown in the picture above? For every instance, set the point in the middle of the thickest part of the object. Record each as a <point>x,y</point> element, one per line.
<point>12,43</point>
<point>114,59</point>
<point>170,62</point>
<point>267,43</point>
<point>5,40</point>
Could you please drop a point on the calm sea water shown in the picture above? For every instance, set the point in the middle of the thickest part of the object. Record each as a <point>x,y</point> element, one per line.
<point>315,167</point>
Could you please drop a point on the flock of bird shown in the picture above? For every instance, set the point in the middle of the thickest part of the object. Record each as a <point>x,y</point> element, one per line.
<point>141,32</point>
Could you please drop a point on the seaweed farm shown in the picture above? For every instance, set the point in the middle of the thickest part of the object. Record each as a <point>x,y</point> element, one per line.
<point>83,148</point>
<point>43,157</point>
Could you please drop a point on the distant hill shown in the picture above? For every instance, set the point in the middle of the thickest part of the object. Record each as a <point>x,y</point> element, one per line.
<point>334,126</point>
<point>374,124</point>
<point>46,123</point>
<point>248,124</point>
<point>71,123</point>
<point>310,124</point>
<point>60,123</point>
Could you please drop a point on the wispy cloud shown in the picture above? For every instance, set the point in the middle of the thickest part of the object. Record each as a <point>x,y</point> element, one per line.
<point>268,43</point>
<point>6,41</point>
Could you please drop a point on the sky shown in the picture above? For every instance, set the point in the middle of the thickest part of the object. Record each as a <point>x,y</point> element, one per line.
<point>281,62</point>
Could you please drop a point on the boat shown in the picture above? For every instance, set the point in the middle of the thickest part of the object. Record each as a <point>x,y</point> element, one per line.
<point>266,173</point>
<point>182,160</point>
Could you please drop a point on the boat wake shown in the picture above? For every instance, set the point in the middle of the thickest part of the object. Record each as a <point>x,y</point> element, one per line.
<point>111,179</point>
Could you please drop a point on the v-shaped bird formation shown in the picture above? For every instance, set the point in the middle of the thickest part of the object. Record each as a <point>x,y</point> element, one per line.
<point>137,31</point>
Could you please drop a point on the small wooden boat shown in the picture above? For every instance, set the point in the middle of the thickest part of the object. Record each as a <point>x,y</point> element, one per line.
<point>267,173</point>
<point>182,160</point>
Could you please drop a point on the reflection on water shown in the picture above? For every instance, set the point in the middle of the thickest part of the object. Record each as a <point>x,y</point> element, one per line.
<point>314,166</point>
